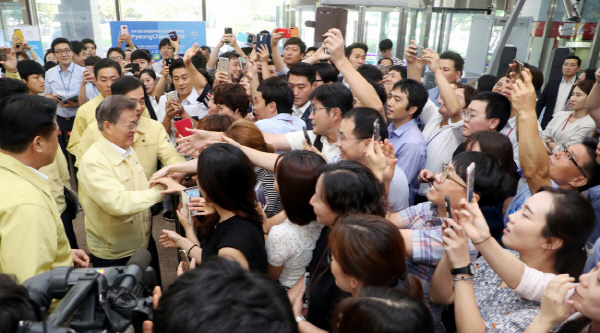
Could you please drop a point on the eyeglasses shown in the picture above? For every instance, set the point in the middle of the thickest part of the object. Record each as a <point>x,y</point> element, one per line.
<point>313,110</point>
<point>131,127</point>
<point>444,175</point>
<point>117,58</point>
<point>62,51</point>
<point>570,157</point>
<point>468,114</point>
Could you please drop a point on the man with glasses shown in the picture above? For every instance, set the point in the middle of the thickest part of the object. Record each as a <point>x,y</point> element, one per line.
<point>62,84</point>
<point>117,222</point>
<point>355,135</point>
<point>572,168</point>
<point>488,111</point>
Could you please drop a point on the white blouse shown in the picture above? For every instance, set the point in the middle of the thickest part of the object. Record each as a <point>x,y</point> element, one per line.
<point>291,245</point>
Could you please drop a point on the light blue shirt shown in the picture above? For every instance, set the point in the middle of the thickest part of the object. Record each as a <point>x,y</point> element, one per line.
<point>282,123</point>
<point>411,151</point>
<point>64,84</point>
<point>434,93</point>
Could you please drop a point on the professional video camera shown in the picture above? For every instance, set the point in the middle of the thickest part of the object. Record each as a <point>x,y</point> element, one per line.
<point>110,299</point>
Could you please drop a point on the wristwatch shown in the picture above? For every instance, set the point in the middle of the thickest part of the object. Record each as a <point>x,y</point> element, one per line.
<point>469,269</point>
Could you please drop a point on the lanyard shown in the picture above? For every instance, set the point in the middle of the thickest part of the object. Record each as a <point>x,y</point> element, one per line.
<point>510,132</point>
<point>436,134</point>
<point>63,82</point>
<point>566,122</point>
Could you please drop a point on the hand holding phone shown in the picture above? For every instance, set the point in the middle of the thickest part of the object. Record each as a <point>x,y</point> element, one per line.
<point>228,30</point>
<point>517,69</point>
<point>173,35</point>
<point>223,65</point>
<point>286,32</point>
<point>419,51</point>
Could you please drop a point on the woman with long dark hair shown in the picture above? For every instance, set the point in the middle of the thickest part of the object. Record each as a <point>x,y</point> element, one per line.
<point>233,227</point>
<point>548,233</point>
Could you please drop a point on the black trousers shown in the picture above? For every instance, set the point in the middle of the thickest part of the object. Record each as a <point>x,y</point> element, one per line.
<point>65,125</point>
<point>68,224</point>
<point>99,262</point>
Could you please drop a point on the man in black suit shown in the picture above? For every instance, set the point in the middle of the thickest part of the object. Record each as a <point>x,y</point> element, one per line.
<point>556,94</point>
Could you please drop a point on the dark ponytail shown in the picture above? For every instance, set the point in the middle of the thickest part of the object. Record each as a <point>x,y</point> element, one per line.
<point>571,218</point>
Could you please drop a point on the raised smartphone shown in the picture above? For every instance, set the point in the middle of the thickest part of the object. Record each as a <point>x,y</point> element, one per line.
<point>124,30</point>
<point>173,35</point>
<point>470,181</point>
<point>223,65</point>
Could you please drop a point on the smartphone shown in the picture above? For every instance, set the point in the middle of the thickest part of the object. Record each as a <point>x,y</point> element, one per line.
<point>223,65</point>
<point>124,30</point>
<point>306,291</point>
<point>184,257</point>
<point>2,54</point>
<point>306,136</point>
<point>376,130</point>
<point>61,98</point>
<point>228,31</point>
<point>448,207</point>
<point>172,96</point>
<point>419,51</point>
<point>19,35</point>
<point>90,68</point>
<point>243,64</point>
<point>383,68</point>
<point>135,67</point>
<point>173,35</point>
<point>294,32</point>
<point>181,126</point>
<point>286,32</point>
<point>263,39</point>
<point>470,181</point>
<point>517,69</point>
<point>251,39</point>
<point>168,61</point>
<point>186,196</point>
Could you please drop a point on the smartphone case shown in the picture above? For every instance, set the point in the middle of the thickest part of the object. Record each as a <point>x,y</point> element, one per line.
<point>327,18</point>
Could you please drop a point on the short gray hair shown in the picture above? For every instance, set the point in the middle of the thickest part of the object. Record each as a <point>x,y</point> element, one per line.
<point>111,109</point>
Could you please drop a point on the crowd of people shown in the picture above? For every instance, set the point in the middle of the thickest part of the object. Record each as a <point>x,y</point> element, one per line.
<point>340,184</point>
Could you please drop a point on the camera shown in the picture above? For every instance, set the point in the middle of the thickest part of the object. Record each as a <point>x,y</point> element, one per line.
<point>104,299</point>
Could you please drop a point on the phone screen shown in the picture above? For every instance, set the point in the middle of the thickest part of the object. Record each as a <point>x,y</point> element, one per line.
<point>306,136</point>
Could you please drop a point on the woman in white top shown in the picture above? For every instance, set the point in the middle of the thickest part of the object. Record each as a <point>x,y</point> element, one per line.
<point>290,244</point>
<point>569,127</point>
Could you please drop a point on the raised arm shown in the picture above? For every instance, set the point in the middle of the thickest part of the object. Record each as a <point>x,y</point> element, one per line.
<point>198,80</point>
<point>214,55</point>
<point>532,153</point>
<point>260,159</point>
<point>593,102</point>
<point>414,65</point>
<point>361,88</point>
<point>447,92</point>
<point>277,59</point>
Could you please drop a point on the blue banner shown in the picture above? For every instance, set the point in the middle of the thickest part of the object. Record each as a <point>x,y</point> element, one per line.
<point>147,34</point>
